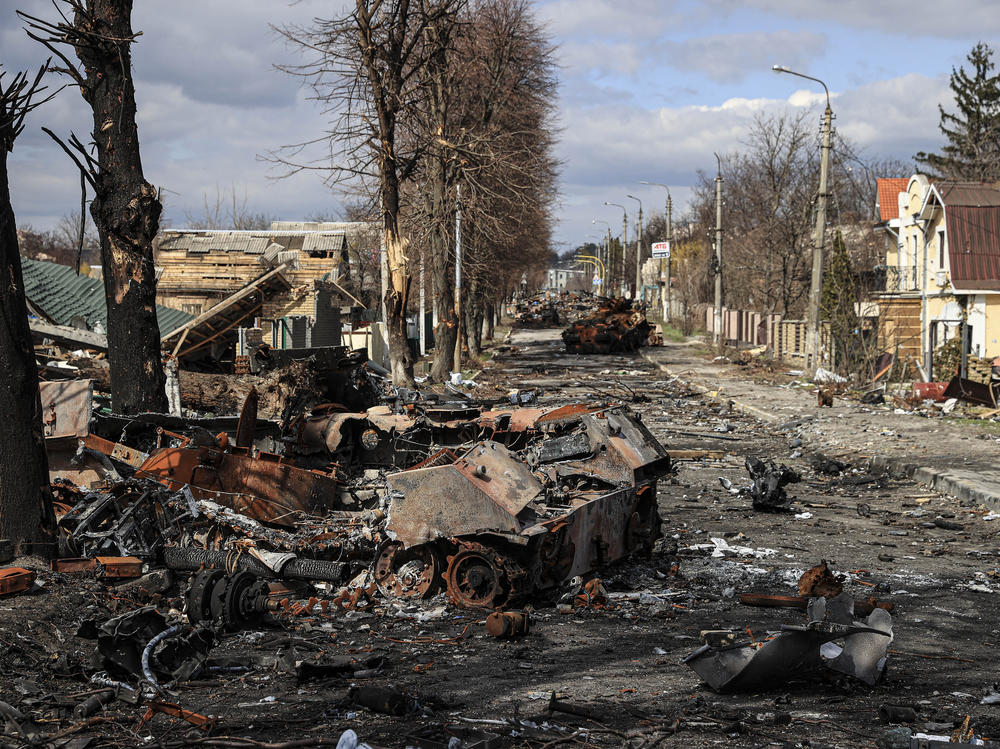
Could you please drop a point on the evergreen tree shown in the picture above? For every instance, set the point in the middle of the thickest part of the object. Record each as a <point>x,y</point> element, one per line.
<point>972,151</point>
<point>838,305</point>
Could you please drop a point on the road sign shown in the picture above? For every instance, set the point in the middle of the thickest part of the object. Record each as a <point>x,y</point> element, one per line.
<point>597,280</point>
<point>661,250</point>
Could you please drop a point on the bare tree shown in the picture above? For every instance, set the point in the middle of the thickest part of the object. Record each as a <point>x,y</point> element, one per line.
<point>125,207</point>
<point>228,211</point>
<point>490,96</point>
<point>365,68</point>
<point>25,501</point>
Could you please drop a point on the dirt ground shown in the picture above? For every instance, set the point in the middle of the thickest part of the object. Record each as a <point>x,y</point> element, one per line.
<point>620,665</point>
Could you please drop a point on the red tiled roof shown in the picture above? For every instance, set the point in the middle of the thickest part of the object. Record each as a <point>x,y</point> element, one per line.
<point>888,196</point>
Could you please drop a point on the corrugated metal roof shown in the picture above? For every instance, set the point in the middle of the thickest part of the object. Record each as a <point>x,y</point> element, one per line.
<point>974,246</point>
<point>250,242</point>
<point>968,193</point>
<point>61,294</point>
<point>888,189</point>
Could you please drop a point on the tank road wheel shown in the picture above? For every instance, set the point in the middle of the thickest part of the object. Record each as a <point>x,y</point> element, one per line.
<point>475,578</point>
<point>407,573</point>
<point>199,595</point>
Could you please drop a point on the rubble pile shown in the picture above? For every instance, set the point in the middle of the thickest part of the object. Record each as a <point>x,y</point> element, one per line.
<point>617,326</point>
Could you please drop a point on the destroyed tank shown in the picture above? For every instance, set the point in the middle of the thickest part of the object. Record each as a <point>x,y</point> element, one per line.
<point>498,525</point>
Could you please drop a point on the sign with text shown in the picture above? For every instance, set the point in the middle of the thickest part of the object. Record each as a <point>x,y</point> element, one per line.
<point>661,250</point>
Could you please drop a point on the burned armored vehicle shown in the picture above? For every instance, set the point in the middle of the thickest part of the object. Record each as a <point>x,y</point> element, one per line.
<point>497,525</point>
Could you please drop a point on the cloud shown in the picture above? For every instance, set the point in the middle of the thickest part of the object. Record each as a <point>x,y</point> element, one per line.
<point>957,19</point>
<point>729,58</point>
<point>608,151</point>
<point>602,19</point>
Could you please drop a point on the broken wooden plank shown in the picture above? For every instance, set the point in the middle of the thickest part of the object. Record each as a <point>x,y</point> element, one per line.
<point>696,454</point>
<point>65,335</point>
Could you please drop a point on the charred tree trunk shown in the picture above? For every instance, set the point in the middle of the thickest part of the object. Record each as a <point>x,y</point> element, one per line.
<point>490,320</point>
<point>26,516</point>
<point>442,270</point>
<point>125,207</point>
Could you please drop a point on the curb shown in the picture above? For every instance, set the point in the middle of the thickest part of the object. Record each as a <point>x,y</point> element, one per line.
<point>933,478</point>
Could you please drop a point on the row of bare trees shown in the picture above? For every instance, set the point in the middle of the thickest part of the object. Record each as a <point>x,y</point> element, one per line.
<point>769,195</point>
<point>429,99</point>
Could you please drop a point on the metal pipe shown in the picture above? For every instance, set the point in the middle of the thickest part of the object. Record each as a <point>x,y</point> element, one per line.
<point>148,651</point>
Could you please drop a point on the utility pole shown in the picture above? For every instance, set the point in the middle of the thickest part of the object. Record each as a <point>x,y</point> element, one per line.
<point>457,366</point>
<point>422,322</point>
<point>813,347</point>
<point>638,254</point>
<point>718,254</point>
<point>669,239</point>
<point>608,268</point>
<point>624,240</point>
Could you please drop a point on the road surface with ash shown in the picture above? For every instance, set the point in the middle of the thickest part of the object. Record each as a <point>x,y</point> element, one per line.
<point>619,662</point>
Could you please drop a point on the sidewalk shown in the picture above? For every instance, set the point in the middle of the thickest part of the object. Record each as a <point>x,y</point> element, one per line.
<point>960,460</point>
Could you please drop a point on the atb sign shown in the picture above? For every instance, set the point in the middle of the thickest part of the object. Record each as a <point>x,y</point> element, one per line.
<point>661,250</point>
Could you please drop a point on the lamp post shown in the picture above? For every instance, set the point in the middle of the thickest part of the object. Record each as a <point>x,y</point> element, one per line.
<point>816,283</point>
<point>624,239</point>
<point>638,253</point>
<point>609,269</point>
<point>669,239</point>
<point>718,254</point>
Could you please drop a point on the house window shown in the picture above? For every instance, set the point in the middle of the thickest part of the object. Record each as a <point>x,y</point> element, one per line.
<point>940,241</point>
<point>192,309</point>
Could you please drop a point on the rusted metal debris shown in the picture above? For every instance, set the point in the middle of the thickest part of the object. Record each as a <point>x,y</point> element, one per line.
<point>820,581</point>
<point>15,580</point>
<point>615,327</point>
<point>490,505</point>
<point>971,391</point>
<point>832,639</point>
<point>862,607</point>
<point>508,624</point>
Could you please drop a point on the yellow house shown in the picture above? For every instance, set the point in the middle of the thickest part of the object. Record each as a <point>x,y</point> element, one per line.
<point>942,266</point>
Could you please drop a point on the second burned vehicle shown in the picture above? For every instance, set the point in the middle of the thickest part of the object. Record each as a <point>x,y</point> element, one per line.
<point>488,505</point>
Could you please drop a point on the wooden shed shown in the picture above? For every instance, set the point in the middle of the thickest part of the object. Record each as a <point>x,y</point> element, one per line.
<point>199,269</point>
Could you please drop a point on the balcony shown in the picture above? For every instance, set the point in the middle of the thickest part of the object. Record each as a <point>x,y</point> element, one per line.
<point>901,279</point>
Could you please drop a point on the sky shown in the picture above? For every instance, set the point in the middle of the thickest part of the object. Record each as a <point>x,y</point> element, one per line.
<point>649,90</point>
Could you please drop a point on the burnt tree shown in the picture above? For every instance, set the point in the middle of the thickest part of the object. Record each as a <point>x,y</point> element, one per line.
<point>125,206</point>
<point>26,516</point>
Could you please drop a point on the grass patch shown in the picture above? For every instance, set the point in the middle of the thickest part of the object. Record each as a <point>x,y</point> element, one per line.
<point>985,424</point>
<point>672,334</point>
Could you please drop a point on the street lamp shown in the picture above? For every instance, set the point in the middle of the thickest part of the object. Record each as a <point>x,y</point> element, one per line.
<point>624,238</point>
<point>638,253</point>
<point>665,299</point>
<point>816,284</point>
<point>607,257</point>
